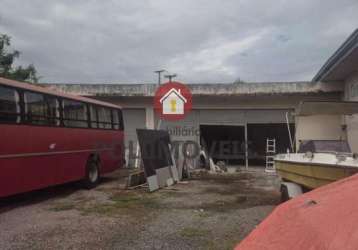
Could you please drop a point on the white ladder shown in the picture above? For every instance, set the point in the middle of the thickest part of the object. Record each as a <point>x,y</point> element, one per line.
<point>270,155</point>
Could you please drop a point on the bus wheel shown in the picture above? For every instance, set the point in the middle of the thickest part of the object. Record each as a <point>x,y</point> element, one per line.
<point>92,174</point>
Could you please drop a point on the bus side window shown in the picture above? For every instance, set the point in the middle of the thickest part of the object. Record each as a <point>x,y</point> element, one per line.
<point>104,118</point>
<point>117,119</point>
<point>36,109</point>
<point>93,114</point>
<point>9,105</point>
<point>74,114</point>
<point>53,112</point>
<point>121,124</point>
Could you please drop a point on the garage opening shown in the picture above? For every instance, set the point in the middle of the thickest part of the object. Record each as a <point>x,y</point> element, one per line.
<point>224,143</point>
<point>257,135</point>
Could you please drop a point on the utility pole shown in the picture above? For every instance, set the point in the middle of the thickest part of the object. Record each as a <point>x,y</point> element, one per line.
<point>170,77</point>
<point>159,72</point>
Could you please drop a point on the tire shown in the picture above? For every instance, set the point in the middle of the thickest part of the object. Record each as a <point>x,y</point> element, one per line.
<point>284,193</point>
<point>92,174</point>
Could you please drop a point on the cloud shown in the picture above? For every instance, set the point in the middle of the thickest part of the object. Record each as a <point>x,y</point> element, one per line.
<point>203,41</point>
<point>211,60</point>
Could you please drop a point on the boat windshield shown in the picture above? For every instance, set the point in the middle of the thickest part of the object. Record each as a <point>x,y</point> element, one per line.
<point>324,146</point>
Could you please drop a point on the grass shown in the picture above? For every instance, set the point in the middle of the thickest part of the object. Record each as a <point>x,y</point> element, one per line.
<point>62,207</point>
<point>225,244</point>
<point>121,203</point>
<point>135,200</point>
<point>204,236</point>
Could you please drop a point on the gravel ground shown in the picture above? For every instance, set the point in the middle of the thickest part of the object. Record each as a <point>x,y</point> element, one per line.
<point>208,212</point>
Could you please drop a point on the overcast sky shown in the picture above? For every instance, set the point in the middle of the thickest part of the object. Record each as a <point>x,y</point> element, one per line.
<point>200,40</point>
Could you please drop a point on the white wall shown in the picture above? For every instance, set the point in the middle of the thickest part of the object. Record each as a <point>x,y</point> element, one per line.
<point>133,119</point>
<point>351,94</point>
<point>318,127</point>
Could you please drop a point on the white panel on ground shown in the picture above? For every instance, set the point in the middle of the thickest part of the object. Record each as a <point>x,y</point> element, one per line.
<point>153,183</point>
<point>163,175</point>
<point>174,171</point>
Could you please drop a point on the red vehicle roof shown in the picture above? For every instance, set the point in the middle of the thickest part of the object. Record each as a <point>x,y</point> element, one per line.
<point>325,218</point>
<point>32,87</point>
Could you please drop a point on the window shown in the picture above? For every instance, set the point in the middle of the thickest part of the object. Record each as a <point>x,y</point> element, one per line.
<point>53,110</point>
<point>104,118</point>
<point>74,114</point>
<point>41,109</point>
<point>93,114</point>
<point>36,109</point>
<point>117,119</point>
<point>9,105</point>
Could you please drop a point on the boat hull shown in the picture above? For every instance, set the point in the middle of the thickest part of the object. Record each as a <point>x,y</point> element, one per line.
<point>312,175</point>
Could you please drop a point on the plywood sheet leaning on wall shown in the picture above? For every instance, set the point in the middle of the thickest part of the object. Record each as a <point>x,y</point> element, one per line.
<point>159,166</point>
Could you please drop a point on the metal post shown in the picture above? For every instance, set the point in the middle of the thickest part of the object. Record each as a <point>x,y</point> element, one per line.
<point>159,72</point>
<point>246,149</point>
<point>170,77</point>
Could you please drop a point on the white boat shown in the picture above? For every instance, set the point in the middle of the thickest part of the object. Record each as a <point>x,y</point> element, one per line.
<point>317,162</point>
<point>312,170</point>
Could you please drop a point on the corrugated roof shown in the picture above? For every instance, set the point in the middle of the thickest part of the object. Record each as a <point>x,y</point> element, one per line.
<point>349,47</point>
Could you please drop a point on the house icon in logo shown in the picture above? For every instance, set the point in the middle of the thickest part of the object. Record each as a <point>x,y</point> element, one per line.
<point>173,102</point>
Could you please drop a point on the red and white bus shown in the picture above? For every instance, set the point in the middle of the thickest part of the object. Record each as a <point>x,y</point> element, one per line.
<point>49,138</point>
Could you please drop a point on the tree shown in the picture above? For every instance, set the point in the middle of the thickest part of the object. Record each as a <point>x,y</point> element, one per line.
<point>7,58</point>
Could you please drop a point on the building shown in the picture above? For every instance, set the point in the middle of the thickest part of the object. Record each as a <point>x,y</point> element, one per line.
<point>243,112</point>
<point>341,69</point>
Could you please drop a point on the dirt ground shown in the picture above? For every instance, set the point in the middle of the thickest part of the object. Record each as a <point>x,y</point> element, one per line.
<point>210,212</point>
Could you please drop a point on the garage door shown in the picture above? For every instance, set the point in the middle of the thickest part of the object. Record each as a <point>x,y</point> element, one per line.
<point>133,119</point>
<point>258,117</point>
